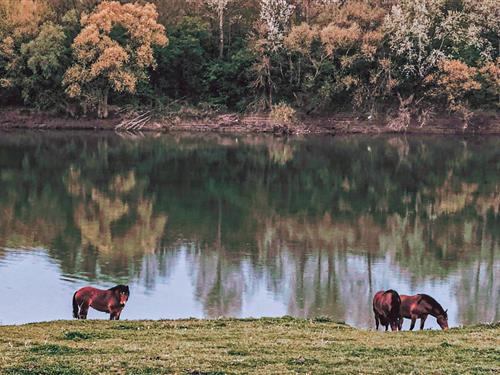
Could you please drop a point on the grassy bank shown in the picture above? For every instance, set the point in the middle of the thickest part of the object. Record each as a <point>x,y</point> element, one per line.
<point>264,346</point>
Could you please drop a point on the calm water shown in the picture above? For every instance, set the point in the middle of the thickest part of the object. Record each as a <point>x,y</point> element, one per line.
<point>210,225</point>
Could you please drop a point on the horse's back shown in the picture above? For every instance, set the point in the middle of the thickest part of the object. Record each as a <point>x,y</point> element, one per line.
<point>87,289</point>
<point>387,303</point>
<point>407,304</point>
<point>87,292</point>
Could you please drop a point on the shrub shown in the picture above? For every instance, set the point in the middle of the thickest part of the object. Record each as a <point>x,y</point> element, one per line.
<point>282,113</point>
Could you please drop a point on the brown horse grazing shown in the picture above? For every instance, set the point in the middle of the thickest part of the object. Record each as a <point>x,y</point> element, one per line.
<point>111,301</point>
<point>418,307</point>
<point>386,306</point>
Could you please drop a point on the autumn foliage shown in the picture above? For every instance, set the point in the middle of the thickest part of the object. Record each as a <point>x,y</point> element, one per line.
<point>311,56</point>
<point>102,62</point>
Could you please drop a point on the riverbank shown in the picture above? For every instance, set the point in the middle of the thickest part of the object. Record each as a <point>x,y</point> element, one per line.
<point>479,123</point>
<point>234,346</point>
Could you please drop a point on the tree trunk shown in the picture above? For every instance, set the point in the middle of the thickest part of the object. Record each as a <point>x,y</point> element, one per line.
<point>270,84</point>
<point>102,105</point>
<point>221,31</point>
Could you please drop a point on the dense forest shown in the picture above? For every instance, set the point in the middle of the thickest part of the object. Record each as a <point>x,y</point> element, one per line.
<point>314,57</point>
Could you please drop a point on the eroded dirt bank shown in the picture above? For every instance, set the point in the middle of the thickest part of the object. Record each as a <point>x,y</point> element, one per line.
<point>481,123</point>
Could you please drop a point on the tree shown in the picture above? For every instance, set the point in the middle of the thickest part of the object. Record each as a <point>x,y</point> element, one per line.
<point>181,64</point>
<point>220,6</point>
<point>46,57</point>
<point>21,19</point>
<point>274,22</point>
<point>20,22</point>
<point>113,51</point>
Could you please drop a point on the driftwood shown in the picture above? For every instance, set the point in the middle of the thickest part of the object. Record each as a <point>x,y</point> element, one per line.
<point>135,123</point>
<point>227,119</point>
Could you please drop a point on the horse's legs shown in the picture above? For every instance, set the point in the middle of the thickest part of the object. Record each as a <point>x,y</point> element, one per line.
<point>115,314</point>
<point>413,321</point>
<point>84,309</point>
<point>422,321</point>
<point>376,320</point>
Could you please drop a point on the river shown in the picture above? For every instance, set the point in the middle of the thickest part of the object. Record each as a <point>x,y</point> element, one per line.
<point>210,225</point>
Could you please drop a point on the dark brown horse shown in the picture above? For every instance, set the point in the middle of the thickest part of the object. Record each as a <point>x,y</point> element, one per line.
<point>420,306</point>
<point>111,301</point>
<point>386,306</point>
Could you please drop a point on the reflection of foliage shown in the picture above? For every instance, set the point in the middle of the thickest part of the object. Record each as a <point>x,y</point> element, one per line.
<point>296,213</point>
<point>111,225</point>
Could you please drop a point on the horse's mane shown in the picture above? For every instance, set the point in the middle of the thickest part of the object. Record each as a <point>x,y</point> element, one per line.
<point>393,292</point>
<point>121,288</point>
<point>435,304</point>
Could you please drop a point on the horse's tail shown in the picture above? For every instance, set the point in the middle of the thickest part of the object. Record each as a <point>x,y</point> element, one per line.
<point>395,307</point>
<point>75,307</point>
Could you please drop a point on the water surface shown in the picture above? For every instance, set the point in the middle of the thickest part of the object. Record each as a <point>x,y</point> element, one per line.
<point>211,225</point>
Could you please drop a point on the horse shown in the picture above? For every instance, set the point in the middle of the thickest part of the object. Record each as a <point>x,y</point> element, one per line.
<point>386,307</point>
<point>111,301</point>
<point>418,307</point>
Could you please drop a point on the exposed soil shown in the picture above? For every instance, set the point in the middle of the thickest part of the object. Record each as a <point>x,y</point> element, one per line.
<point>479,123</point>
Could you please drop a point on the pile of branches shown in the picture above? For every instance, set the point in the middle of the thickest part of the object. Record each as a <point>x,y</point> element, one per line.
<point>134,121</point>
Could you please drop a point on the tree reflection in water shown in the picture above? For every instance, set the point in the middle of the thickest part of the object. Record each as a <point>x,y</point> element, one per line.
<point>320,223</point>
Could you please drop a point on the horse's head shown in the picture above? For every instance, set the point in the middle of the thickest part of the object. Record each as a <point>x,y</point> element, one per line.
<point>442,320</point>
<point>123,294</point>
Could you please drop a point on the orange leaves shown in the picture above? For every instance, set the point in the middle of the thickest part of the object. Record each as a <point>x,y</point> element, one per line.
<point>139,20</point>
<point>457,76</point>
<point>335,37</point>
<point>490,74</point>
<point>22,18</point>
<point>114,48</point>
<point>145,56</point>
<point>354,25</point>
<point>123,81</point>
<point>300,38</point>
<point>456,81</point>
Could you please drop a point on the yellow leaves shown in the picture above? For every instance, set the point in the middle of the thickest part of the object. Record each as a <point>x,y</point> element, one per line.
<point>112,58</point>
<point>74,90</point>
<point>123,81</point>
<point>354,25</point>
<point>456,81</point>
<point>300,38</point>
<point>491,74</point>
<point>138,20</point>
<point>114,64</point>
<point>73,78</point>
<point>349,82</point>
<point>11,62</point>
<point>8,54</point>
<point>22,18</point>
<point>7,47</point>
<point>457,74</point>
<point>145,56</point>
<point>335,37</point>
<point>365,15</point>
<point>371,42</point>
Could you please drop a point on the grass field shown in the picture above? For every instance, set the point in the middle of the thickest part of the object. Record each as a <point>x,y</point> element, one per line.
<point>232,346</point>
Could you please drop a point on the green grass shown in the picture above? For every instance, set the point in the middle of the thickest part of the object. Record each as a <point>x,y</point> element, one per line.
<point>232,346</point>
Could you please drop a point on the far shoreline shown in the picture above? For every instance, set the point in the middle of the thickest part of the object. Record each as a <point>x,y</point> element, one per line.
<point>480,123</point>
